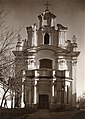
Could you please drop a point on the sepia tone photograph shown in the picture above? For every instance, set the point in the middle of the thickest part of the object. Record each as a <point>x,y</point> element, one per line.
<point>42,59</point>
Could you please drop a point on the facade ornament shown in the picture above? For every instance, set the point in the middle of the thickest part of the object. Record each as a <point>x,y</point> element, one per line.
<point>61,27</point>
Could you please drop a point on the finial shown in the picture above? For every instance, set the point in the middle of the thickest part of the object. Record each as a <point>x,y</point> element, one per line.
<point>47,5</point>
<point>74,38</point>
<point>19,38</point>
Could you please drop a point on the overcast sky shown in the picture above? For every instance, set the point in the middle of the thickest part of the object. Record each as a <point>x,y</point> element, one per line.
<point>69,13</point>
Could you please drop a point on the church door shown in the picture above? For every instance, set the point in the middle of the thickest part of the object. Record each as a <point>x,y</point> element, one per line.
<point>43,101</point>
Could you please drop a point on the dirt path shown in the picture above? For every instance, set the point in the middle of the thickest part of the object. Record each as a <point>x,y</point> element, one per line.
<point>46,114</point>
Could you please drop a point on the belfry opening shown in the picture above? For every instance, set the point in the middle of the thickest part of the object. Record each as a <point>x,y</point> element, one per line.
<point>46,39</point>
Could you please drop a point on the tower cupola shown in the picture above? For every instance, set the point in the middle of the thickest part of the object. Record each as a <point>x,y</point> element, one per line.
<point>47,19</point>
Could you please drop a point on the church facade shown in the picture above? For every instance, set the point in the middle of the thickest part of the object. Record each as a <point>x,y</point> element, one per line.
<point>45,66</point>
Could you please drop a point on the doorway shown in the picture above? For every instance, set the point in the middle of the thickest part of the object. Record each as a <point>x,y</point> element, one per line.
<point>43,101</point>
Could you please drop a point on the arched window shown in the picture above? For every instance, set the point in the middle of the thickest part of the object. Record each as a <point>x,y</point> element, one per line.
<point>46,39</point>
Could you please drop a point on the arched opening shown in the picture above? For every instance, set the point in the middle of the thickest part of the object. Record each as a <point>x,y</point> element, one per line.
<point>46,63</point>
<point>46,39</point>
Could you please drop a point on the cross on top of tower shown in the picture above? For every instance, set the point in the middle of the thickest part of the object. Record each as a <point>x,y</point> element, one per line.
<point>47,5</point>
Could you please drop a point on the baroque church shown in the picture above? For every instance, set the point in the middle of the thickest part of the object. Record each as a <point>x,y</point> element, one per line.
<point>45,66</point>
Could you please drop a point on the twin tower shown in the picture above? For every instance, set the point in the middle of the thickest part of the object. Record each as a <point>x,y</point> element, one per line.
<point>45,66</point>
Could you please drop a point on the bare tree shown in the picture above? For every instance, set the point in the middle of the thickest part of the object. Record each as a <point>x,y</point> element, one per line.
<point>6,60</point>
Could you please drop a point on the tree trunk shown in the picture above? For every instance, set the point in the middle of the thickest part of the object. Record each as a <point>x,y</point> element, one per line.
<point>4,97</point>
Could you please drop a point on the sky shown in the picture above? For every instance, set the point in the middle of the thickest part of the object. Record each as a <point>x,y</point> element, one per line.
<point>70,13</point>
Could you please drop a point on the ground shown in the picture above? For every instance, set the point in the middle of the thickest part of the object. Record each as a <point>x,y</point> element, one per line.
<point>41,114</point>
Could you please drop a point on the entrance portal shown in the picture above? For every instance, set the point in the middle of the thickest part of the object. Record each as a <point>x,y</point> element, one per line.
<point>43,101</point>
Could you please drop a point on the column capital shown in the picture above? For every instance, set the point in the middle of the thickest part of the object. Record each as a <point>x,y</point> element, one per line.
<point>74,63</point>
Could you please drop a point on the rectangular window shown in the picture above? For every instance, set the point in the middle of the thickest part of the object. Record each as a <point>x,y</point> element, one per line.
<point>46,63</point>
